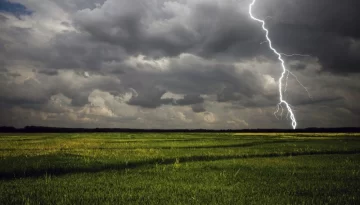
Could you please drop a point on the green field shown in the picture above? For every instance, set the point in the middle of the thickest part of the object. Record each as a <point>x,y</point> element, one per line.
<point>179,168</point>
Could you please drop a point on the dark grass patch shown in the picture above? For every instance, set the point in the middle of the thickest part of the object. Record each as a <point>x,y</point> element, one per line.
<point>61,164</point>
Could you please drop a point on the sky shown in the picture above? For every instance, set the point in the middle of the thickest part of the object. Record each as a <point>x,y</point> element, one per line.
<point>177,63</point>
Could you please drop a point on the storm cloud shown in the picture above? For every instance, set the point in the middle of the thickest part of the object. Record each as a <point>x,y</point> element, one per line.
<point>177,63</point>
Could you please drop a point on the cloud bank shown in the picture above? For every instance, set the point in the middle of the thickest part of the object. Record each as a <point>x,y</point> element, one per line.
<point>176,64</point>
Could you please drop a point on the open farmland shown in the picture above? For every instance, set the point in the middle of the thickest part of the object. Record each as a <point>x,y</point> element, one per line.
<point>179,168</point>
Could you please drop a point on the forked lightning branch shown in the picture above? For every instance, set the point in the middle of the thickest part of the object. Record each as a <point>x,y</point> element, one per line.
<point>282,101</point>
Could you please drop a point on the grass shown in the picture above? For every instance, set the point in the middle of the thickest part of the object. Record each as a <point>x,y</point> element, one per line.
<point>179,168</point>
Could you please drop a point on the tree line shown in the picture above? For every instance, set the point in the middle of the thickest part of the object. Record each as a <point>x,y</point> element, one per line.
<point>40,129</point>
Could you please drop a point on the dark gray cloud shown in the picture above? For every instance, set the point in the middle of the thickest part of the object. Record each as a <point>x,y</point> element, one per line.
<point>326,31</point>
<point>322,15</point>
<point>147,63</point>
<point>149,98</point>
<point>190,100</point>
<point>49,72</point>
<point>3,18</point>
<point>192,76</point>
<point>323,29</point>
<point>206,28</point>
<point>75,5</point>
<point>28,93</point>
<point>198,108</point>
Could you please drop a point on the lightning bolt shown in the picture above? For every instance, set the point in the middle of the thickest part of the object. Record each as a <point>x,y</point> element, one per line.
<point>282,101</point>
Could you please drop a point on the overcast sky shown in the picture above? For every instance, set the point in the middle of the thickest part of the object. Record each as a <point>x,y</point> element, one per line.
<point>177,63</point>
